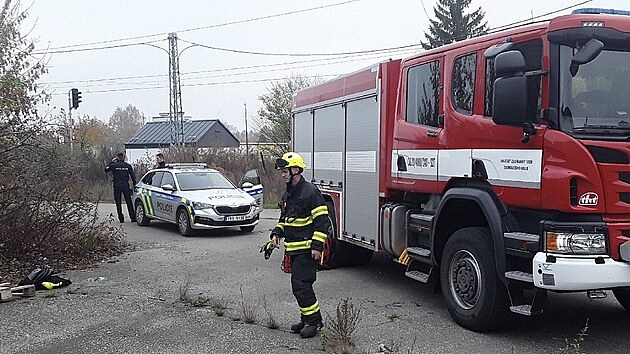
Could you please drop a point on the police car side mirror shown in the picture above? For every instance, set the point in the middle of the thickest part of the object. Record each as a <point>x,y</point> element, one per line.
<point>168,187</point>
<point>246,185</point>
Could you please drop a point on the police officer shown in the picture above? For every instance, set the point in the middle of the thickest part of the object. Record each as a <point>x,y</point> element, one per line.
<point>303,225</point>
<point>121,172</point>
<point>159,159</point>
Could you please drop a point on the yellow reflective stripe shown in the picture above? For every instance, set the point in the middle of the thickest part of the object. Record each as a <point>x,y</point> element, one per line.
<point>320,210</point>
<point>150,203</point>
<point>191,213</point>
<point>299,245</point>
<point>146,200</point>
<point>310,310</point>
<point>280,226</point>
<point>298,222</point>
<point>319,236</point>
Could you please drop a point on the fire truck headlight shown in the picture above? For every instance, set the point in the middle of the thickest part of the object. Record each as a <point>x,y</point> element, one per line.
<point>575,243</point>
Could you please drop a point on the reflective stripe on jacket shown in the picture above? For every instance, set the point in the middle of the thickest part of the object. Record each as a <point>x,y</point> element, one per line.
<point>304,223</point>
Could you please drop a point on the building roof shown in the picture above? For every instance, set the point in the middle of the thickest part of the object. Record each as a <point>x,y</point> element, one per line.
<point>201,133</point>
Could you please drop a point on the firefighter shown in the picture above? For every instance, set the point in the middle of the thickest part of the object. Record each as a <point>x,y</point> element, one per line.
<point>121,172</point>
<point>303,225</point>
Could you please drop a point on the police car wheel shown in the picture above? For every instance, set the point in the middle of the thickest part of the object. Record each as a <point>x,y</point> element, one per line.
<point>183,223</point>
<point>141,217</point>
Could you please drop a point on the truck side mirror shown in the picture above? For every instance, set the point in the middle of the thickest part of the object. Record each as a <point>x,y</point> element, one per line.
<point>586,54</point>
<point>510,90</point>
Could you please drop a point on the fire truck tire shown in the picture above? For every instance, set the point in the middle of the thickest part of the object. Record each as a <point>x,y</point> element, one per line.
<point>183,222</point>
<point>623,297</point>
<point>141,217</point>
<point>342,253</point>
<point>474,294</point>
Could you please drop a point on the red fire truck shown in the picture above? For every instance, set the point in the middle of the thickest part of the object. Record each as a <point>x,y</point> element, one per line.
<point>497,167</point>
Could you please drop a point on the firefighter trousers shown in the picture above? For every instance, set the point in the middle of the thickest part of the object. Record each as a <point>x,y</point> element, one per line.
<point>303,275</point>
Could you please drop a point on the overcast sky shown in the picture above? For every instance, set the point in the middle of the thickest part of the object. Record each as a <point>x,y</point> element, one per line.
<point>217,84</point>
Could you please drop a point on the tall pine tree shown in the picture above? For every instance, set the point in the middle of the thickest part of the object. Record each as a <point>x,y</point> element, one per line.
<point>452,25</point>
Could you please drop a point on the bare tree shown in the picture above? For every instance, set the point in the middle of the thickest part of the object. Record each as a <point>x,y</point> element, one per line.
<point>125,122</point>
<point>274,117</point>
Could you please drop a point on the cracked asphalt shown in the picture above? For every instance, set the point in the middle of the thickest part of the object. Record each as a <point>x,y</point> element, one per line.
<point>131,304</point>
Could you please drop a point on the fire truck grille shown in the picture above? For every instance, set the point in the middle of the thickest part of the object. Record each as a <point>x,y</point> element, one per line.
<point>605,155</point>
<point>242,209</point>
<point>624,177</point>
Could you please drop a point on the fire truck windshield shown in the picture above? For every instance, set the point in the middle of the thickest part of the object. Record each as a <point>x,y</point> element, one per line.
<point>595,101</point>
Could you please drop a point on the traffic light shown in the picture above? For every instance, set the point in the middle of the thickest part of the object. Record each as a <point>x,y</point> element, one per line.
<point>75,98</point>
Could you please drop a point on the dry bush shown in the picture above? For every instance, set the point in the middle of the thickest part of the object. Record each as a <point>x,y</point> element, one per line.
<point>343,325</point>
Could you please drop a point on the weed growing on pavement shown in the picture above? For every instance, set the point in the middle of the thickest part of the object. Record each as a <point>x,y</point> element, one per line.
<point>324,337</point>
<point>50,293</point>
<point>249,315</point>
<point>393,317</point>
<point>574,345</point>
<point>184,289</point>
<point>343,325</point>
<point>271,321</point>
<point>219,305</point>
<point>395,348</point>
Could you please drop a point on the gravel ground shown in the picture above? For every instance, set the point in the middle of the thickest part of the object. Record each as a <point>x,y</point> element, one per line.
<point>131,304</point>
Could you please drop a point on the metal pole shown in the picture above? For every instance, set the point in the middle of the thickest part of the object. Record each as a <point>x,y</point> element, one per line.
<point>70,118</point>
<point>246,140</point>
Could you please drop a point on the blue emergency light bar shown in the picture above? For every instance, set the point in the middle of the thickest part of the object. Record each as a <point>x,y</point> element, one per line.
<point>598,11</point>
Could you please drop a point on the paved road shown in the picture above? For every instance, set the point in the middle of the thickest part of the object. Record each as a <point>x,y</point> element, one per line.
<point>131,305</point>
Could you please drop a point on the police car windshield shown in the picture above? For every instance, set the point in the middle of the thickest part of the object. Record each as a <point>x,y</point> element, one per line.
<point>190,181</point>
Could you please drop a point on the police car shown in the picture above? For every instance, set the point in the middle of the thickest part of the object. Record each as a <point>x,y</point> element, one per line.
<point>196,197</point>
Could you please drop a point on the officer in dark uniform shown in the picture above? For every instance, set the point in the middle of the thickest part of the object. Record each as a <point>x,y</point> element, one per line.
<point>304,226</point>
<point>159,159</point>
<point>121,172</point>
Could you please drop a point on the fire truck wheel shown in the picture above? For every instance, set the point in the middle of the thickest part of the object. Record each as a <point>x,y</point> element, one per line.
<point>623,297</point>
<point>183,222</point>
<point>474,294</point>
<point>141,217</point>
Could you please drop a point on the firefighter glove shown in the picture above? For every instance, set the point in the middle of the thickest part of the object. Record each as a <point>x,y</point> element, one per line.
<point>267,248</point>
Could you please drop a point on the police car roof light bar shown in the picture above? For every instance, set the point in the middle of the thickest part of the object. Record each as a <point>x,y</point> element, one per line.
<point>187,165</point>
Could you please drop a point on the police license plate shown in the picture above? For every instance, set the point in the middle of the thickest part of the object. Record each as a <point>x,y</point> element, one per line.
<point>235,218</point>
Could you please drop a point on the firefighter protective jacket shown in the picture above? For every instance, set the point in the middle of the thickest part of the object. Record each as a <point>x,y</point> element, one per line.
<point>121,172</point>
<point>304,223</point>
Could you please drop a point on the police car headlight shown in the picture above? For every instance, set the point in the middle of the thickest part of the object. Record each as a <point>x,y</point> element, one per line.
<point>201,206</point>
<point>575,243</point>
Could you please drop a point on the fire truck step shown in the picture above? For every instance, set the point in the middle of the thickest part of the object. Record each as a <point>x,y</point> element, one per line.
<point>419,251</point>
<point>520,276</point>
<point>5,294</point>
<point>522,309</point>
<point>418,275</point>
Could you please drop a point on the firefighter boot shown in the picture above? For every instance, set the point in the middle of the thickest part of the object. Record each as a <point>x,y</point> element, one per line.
<point>310,331</point>
<point>297,328</point>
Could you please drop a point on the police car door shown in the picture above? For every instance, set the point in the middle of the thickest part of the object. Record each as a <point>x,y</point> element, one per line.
<point>157,200</point>
<point>251,183</point>
<point>168,199</point>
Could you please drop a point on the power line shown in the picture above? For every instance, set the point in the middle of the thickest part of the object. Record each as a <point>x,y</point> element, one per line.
<point>298,54</point>
<point>197,84</point>
<point>352,57</point>
<point>202,27</point>
<point>499,28</point>
<point>96,48</point>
